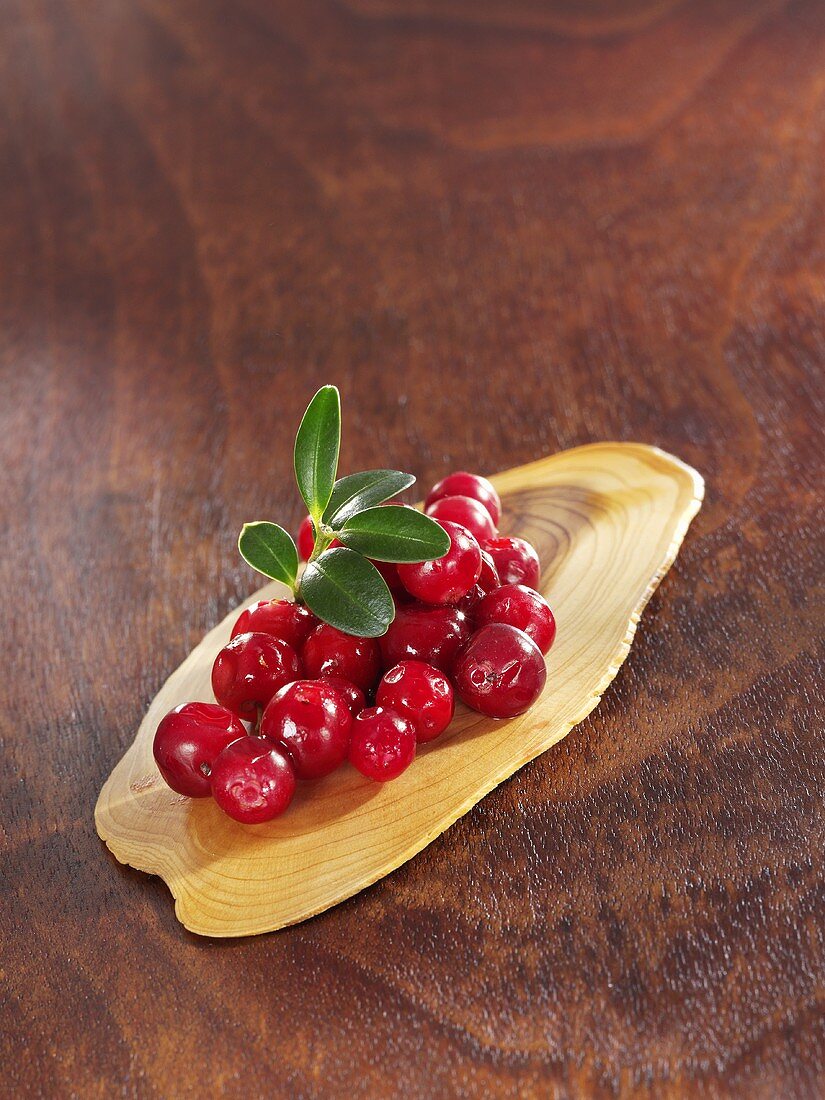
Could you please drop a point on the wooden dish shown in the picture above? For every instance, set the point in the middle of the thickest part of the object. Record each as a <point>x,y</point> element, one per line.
<point>607,521</point>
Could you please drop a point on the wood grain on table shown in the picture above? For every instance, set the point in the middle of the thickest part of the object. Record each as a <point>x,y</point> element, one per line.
<point>502,230</point>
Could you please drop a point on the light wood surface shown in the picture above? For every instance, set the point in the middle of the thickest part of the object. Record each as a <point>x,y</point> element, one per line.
<point>607,520</point>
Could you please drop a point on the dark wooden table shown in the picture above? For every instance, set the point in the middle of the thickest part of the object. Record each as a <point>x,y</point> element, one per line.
<point>502,230</point>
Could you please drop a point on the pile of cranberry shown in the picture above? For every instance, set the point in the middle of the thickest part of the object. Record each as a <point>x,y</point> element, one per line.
<point>470,622</point>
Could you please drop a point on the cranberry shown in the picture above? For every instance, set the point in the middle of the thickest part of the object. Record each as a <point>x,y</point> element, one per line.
<point>431,634</point>
<point>519,606</point>
<point>353,695</point>
<point>468,604</point>
<point>248,672</point>
<point>501,672</point>
<point>488,578</point>
<point>383,743</point>
<point>462,484</point>
<point>311,722</point>
<point>291,622</point>
<point>421,693</point>
<point>447,579</point>
<point>187,741</point>
<point>330,652</point>
<point>516,561</point>
<point>389,571</point>
<point>253,780</point>
<point>466,511</point>
<point>306,539</point>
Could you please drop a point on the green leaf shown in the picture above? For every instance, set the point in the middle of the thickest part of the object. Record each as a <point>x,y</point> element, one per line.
<point>348,592</point>
<point>316,450</point>
<point>269,549</point>
<point>395,534</point>
<point>355,492</point>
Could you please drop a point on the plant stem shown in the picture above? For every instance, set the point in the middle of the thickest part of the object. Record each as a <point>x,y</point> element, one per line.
<point>322,542</point>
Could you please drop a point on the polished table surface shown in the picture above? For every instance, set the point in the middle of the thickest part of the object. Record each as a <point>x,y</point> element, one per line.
<point>502,229</point>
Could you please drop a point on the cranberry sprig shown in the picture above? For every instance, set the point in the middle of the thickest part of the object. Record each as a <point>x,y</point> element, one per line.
<point>468,623</point>
<point>350,531</point>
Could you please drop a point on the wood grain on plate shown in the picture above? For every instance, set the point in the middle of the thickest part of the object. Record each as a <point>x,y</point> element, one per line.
<point>503,230</point>
<point>607,520</point>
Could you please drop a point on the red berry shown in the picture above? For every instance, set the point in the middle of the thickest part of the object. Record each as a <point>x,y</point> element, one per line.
<point>311,722</point>
<point>488,578</point>
<point>330,652</point>
<point>306,539</point>
<point>466,511</point>
<point>462,484</point>
<point>389,571</point>
<point>291,622</point>
<point>468,604</point>
<point>353,695</point>
<point>253,780</point>
<point>501,673</point>
<point>187,741</point>
<point>383,743</point>
<point>421,693</point>
<point>431,634</point>
<point>248,672</point>
<point>522,607</point>
<point>445,580</point>
<point>516,561</point>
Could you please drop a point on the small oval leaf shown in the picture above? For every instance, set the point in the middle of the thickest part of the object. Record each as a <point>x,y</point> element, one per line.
<point>395,534</point>
<point>348,592</point>
<point>316,449</point>
<point>269,549</point>
<point>355,492</point>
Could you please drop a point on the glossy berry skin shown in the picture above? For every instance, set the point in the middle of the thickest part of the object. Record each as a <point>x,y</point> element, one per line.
<point>445,580</point>
<point>253,780</point>
<point>422,694</point>
<point>187,741</point>
<point>354,696</point>
<point>248,672</point>
<point>522,607</point>
<point>501,673</point>
<point>291,622</point>
<point>488,578</point>
<point>466,511</point>
<point>383,743</point>
<point>311,722</point>
<point>306,539</point>
<point>469,603</point>
<point>431,634</point>
<point>462,484</point>
<point>330,652</point>
<point>389,571</point>
<point>516,561</point>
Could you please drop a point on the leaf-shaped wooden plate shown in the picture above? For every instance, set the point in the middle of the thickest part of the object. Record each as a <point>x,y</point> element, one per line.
<point>607,521</point>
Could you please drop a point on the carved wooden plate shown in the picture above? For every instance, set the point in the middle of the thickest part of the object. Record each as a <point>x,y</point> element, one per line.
<point>607,521</point>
